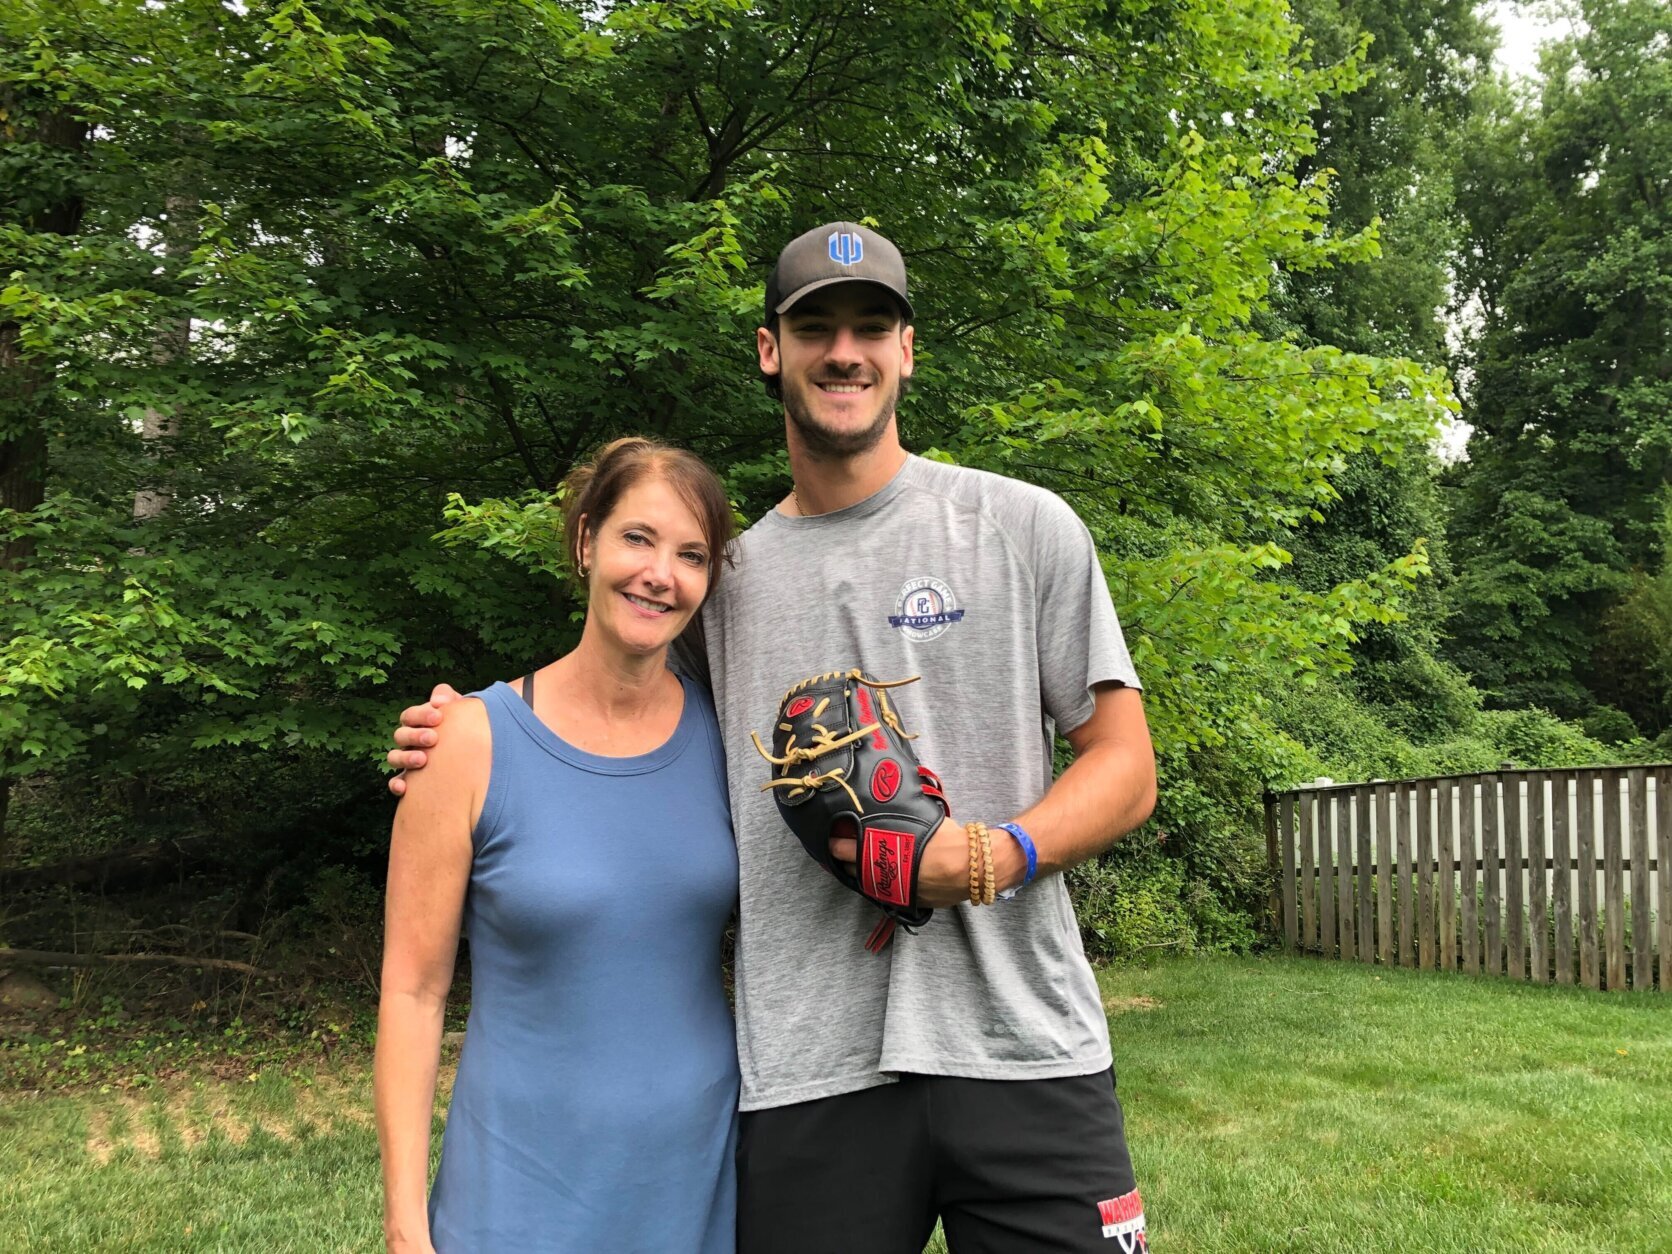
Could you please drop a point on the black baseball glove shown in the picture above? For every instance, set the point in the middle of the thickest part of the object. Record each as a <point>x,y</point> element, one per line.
<point>843,766</point>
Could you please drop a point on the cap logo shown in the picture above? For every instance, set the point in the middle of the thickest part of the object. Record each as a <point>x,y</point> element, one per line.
<point>846,248</point>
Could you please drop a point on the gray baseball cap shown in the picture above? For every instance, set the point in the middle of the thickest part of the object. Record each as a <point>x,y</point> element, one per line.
<point>837,252</point>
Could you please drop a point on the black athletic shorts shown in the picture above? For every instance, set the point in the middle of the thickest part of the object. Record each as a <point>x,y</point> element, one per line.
<point>1009,1166</point>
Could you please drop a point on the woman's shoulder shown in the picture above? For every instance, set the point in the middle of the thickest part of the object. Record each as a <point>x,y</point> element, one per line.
<point>463,745</point>
<point>469,715</point>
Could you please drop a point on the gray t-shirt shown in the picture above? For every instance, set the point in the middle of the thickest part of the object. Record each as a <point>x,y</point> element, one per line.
<point>990,589</point>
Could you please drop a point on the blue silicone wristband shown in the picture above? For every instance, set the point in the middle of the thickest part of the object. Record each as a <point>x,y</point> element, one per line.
<point>1026,842</point>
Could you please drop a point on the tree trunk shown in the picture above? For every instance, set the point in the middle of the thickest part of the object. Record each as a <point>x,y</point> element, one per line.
<point>52,958</point>
<point>23,456</point>
<point>171,343</point>
<point>5,801</point>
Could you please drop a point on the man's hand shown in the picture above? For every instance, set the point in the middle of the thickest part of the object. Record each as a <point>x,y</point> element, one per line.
<point>944,877</point>
<point>416,733</point>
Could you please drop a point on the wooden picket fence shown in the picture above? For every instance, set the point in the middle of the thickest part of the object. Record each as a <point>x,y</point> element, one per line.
<point>1540,875</point>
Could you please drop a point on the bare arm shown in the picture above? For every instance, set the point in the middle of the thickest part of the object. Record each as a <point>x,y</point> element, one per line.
<point>429,869</point>
<point>1107,790</point>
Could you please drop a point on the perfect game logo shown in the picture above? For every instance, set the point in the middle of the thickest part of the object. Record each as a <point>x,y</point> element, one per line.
<point>925,608</point>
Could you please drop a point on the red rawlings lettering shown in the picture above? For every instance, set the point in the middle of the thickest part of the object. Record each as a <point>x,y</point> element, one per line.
<point>885,780</point>
<point>798,707</point>
<point>885,865</point>
<point>878,740</point>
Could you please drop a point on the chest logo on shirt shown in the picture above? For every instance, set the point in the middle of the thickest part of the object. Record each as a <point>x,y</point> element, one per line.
<point>925,609</point>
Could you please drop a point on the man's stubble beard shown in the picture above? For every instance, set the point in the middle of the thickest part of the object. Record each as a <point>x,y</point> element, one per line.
<point>827,445</point>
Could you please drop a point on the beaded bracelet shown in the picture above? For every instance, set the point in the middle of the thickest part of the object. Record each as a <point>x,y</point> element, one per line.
<point>982,881</point>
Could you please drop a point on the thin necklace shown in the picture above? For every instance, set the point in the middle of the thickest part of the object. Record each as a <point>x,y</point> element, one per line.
<point>796,497</point>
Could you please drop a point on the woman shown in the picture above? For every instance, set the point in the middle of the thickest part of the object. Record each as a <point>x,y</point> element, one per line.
<point>575,826</point>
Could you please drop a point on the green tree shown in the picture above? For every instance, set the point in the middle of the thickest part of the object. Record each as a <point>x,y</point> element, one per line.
<point>437,249</point>
<point>1635,651</point>
<point>1394,146</point>
<point>1570,378</point>
<point>44,138</point>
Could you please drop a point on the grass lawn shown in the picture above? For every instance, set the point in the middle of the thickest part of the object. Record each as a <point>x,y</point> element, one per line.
<point>1310,1105</point>
<point>1271,1104</point>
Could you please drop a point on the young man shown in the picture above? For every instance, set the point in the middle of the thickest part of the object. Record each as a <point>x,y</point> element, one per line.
<point>965,1071</point>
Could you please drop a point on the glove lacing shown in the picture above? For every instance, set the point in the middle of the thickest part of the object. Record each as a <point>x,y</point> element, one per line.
<point>826,741</point>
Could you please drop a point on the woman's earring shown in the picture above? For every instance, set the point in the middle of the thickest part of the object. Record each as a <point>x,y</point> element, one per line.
<point>584,571</point>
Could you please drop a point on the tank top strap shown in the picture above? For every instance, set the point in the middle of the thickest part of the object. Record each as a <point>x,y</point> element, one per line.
<point>498,698</point>
<point>510,755</point>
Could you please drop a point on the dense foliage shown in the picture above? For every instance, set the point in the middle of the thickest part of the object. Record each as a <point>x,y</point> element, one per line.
<point>1393,143</point>
<point>1558,510</point>
<point>307,306</point>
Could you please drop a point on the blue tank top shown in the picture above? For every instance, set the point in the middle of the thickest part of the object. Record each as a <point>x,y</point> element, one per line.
<point>595,1106</point>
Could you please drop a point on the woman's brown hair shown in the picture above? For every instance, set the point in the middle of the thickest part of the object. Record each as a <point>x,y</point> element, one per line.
<point>592,490</point>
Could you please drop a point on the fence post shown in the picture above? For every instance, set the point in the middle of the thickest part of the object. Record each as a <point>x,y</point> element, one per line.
<point>1344,872</point>
<point>1664,840</point>
<point>1425,875</point>
<point>1590,970</point>
<point>1365,871</point>
<point>1469,925</point>
<point>1491,902</point>
<point>1613,882</point>
<point>1404,834</point>
<point>1561,858</point>
<point>1538,921</point>
<point>1515,927</point>
<point>1384,873</point>
<point>1307,826</point>
<point>1445,884</point>
<point>1274,916</point>
<point>1663,831</point>
<point>1642,935</point>
<point>1326,876</point>
<point>1286,836</point>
